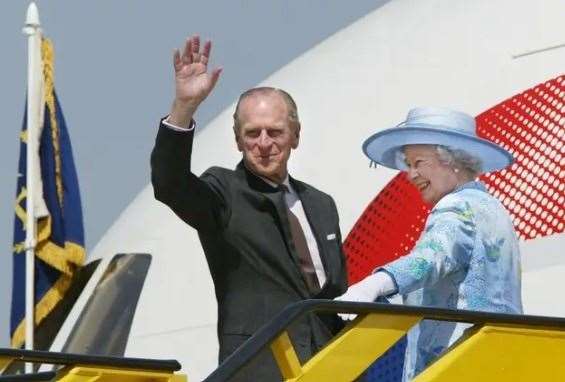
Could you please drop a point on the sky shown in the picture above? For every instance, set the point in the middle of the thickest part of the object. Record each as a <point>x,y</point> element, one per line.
<point>113,76</point>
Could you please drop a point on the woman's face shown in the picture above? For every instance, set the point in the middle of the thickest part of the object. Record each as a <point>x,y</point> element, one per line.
<point>428,174</point>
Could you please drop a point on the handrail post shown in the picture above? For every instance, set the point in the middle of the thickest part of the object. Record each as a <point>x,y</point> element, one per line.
<point>286,357</point>
<point>4,362</point>
<point>360,343</point>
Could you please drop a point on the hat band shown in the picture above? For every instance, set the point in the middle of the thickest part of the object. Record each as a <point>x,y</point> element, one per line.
<point>437,127</point>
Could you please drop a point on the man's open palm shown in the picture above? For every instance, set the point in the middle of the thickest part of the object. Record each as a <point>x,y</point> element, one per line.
<point>192,79</point>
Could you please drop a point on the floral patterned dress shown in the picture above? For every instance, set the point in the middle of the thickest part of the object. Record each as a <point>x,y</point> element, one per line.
<point>467,258</point>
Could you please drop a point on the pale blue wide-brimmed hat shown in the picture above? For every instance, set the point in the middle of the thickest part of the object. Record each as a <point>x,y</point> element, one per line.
<point>435,126</point>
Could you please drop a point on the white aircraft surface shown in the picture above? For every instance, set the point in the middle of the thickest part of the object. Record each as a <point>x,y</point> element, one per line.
<point>467,55</point>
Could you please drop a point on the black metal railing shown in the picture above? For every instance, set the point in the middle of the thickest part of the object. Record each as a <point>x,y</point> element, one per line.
<point>69,359</point>
<point>32,377</point>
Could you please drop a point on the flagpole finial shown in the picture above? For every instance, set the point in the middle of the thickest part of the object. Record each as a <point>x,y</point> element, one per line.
<point>32,19</point>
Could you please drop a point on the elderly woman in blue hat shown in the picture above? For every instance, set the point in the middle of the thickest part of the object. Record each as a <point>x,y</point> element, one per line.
<point>467,256</point>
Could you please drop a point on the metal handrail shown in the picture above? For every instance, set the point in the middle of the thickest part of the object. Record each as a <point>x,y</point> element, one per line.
<point>39,356</point>
<point>43,376</point>
<point>270,331</point>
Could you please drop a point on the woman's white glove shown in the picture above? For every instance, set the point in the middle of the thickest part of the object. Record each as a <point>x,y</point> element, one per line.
<point>368,290</point>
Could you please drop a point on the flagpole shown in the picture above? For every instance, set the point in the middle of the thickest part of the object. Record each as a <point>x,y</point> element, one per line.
<point>35,74</point>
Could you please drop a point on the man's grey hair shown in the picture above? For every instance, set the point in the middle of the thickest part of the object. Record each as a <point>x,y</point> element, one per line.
<point>266,90</point>
<point>454,158</point>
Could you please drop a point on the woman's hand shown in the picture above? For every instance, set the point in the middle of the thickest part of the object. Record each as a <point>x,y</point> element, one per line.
<point>368,290</point>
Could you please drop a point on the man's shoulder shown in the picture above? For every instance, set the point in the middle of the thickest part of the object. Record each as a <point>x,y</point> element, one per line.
<point>219,171</point>
<point>312,190</point>
<point>221,175</point>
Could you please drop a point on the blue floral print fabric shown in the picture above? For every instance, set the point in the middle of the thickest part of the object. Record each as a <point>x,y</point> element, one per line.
<point>466,258</point>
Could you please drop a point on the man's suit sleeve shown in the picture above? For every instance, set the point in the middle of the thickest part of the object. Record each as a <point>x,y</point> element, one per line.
<point>200,202</point>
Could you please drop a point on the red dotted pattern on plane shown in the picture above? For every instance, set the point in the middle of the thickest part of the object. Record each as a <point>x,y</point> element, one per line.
<point>531,125</point>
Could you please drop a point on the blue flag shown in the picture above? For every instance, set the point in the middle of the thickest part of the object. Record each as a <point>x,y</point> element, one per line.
<point>60,237</point>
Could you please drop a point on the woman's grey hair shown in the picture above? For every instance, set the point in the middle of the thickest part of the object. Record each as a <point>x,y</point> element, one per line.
<point>454,158</point>
<point>461,159</point>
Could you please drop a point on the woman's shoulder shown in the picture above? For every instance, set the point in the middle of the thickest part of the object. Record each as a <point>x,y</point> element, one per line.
<point>471,204</point>
<point>455,201</point>
<point>464,203</point>
<point>473,192</point>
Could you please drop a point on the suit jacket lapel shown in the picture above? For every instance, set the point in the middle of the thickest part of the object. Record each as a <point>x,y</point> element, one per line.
<point>274,201</point>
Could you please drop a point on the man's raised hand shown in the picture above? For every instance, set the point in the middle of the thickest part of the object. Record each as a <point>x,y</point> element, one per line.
<point>193,81</point>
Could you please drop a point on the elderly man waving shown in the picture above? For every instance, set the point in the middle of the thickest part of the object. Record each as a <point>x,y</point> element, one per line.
<point>269,239</point>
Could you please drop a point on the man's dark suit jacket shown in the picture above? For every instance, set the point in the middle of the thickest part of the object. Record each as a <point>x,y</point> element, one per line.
<point>244,230</point>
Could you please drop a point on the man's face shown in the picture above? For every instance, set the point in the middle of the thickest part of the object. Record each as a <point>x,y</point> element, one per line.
<point>265,135</point>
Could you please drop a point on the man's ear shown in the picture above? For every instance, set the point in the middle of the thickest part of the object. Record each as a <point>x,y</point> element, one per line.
<point>296,137</point>
<point>237,140</point>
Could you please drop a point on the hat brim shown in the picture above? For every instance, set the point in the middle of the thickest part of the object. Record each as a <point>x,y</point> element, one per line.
<point>383,146</point>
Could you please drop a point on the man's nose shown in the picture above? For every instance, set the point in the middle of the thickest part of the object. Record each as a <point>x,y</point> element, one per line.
<point>264,140</point>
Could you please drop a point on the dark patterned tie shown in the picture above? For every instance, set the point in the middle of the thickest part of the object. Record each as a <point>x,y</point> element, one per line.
<point>301,246</point>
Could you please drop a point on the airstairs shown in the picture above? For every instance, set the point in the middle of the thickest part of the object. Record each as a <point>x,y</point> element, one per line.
<point>499,347</point>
